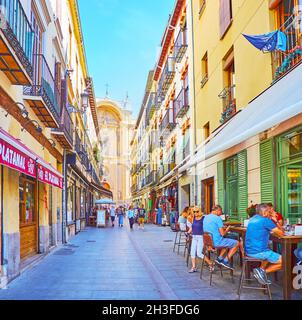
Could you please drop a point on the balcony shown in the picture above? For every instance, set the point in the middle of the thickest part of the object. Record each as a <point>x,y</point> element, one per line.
<point>64,134</point>
<point>43,95</point>
<point>182,103</point>
<point>134,188</point>
<point>181,45</point>
<point>151,178</point>
<point>16,43</point>
<point>168,123</point>
<point>167,76</point>
<point>78,144</point>
<point>151,106</point>
<point>229,103</point>
<point>283,62</point>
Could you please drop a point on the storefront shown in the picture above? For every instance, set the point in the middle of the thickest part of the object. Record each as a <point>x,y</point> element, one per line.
<point>28,178</point>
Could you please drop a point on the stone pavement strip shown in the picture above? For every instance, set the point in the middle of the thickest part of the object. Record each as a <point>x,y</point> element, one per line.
<point>119,264</point>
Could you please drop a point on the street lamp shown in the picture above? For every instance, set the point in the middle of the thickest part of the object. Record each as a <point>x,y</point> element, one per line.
<point>84,100</point>
<point>23,111</point>
<point>38,127</point>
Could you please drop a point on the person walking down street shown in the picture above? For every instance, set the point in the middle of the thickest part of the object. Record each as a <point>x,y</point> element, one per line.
<point>131,215</point>
<point>197,240</point>
<point>141,217</point>
<point>120,215</point>
<point>112,216</point>
<point>159,215</point>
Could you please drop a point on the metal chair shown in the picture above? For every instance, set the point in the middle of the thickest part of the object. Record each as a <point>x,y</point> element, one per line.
<point>209,250</point>
<point>245,277</point>
<point>180,240</point>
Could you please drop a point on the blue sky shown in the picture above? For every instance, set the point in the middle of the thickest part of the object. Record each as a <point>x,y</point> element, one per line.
<point>122,39</point>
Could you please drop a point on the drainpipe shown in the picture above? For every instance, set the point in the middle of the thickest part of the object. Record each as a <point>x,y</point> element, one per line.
<point>194,101</point>
<point>64,199</point>
<point>2,216</point>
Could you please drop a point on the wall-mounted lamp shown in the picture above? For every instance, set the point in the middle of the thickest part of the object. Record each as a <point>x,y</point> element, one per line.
<point>53,143</point>
<point>23,110</point>
<point>38,127</point>
<point>84,100</point>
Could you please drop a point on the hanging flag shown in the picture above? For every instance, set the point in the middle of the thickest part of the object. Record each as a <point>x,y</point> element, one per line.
<point>268,42</point>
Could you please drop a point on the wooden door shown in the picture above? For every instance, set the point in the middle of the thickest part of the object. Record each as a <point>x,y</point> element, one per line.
<point>28,218</point>
<point>208,195</point>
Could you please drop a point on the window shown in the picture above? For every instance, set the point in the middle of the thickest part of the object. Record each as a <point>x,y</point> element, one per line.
<point>206,131</point>
<point>26,201</point>
<point>70,204</point>
<point>226,16</point>
<point>228,94</point>
<point>204,70</point>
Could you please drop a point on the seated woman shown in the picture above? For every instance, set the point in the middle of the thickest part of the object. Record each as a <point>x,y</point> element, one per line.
<point>182,220</point>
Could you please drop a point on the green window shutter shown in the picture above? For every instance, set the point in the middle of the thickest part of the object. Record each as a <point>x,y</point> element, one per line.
<point>266,171</point>
<point>242,184</point>
<point>221,184</point>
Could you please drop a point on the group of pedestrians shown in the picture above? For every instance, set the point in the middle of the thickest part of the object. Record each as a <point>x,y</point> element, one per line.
<point>137,214</point>
<point>118,212</point>
<point>134,214</point>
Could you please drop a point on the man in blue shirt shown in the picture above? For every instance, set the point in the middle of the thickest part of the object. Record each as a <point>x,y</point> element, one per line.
<point>213,224</point>
<point>257,243</point>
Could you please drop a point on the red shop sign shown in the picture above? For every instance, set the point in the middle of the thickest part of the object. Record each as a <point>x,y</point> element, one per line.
<point>15,159</point>
<point>49,177</point>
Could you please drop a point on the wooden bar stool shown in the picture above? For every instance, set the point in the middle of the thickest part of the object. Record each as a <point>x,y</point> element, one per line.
<point>245,277</point>
<point>209,250</point>
<point>180,240</point>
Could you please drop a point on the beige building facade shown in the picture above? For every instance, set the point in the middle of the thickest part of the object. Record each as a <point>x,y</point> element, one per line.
<point>116,130</point>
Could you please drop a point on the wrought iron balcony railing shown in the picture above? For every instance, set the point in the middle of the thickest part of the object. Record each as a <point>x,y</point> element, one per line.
<point>151,105</point>
<point>64,134</point>
<point>181,45</point>
<point>44,86</point>
<point>182,103</point>
<point>285,61</point>
<point>19,39</point>
<point>167,77</point>
<point>229,103</point>
<point>168,122</point>
<point>78,144</point>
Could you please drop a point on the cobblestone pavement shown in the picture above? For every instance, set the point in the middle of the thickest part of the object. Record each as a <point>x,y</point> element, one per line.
<point>116,263</point>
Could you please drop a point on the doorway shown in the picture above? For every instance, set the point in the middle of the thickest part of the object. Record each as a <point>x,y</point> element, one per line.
<point>207,195</point>
<point>292,191</point>
<point>28,218</point>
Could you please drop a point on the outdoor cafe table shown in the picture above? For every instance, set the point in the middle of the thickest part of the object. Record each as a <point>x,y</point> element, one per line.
<point>289,244</point>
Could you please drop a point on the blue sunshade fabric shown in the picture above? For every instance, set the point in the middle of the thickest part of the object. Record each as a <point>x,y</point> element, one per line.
<point>269,41</point>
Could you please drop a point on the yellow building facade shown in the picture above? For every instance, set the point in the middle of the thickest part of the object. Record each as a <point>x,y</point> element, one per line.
<point>39,111</point>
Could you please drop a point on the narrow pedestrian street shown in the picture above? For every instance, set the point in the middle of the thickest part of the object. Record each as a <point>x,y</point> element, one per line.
<point>102,264</point>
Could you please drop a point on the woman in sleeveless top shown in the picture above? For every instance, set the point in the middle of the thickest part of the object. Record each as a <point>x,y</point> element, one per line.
<point>197,239</point>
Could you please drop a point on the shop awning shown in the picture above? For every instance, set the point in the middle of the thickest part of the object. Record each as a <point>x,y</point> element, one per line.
<point>280,102</point>
<point>47,174</point>
<point>15,155</point>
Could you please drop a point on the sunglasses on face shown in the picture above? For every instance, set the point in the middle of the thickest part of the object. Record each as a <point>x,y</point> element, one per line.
<point>196,211</point>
